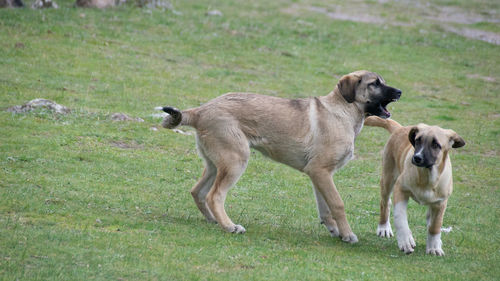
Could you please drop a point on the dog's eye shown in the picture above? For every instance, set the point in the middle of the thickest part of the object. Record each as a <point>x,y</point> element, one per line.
<point>417,140</point>
<point>435,145</point>
<point>377,83</point>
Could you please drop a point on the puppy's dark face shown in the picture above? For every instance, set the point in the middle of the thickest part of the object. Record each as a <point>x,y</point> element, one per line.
<point>370,91</point>
<point>431,143</point>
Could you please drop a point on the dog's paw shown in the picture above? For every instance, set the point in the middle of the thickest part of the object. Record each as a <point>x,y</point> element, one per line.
<point>350,238</point>
<point>406,243</point>
<point>334,232</point>
<point>385,230</point>
<point>435,252</point>
<point>238,229</point>
<point>434,245</point>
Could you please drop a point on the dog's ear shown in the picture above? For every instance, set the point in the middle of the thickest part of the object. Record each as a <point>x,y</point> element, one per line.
<point>412,134</point>
<point>456,140</point>
<point>347,87</point>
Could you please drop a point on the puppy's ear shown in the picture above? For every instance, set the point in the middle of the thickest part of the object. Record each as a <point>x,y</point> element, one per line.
<point>412,134</point>
<point>347,87</point>
<point>456,140</point>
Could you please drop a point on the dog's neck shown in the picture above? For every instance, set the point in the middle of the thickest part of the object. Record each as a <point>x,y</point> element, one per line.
<point>337,103</point>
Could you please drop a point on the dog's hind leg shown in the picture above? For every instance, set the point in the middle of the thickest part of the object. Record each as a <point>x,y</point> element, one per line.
<point>387,182</point>
<point>384,228</point>
<point>201,189</point>
<point>229,151</point>
<point>227,176</point>
<point>325,215</point>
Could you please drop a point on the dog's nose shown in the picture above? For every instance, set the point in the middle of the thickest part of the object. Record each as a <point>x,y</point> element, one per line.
<point>417,159</point>
<point>398,93</point>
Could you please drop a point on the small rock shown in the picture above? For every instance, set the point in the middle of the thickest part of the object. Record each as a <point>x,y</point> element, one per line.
<point>124,117</point>
<point>98,221</point>
<point>39,103</point>
<point>214,13</point>
<point>179,131</point>
<point>42,4</point>
<point>100,4</point>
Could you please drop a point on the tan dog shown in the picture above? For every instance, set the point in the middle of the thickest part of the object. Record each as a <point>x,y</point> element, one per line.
<point>313,135</point>
<point>415,164</point>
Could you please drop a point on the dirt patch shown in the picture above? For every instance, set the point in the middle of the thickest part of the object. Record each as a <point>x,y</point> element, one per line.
<point>487,36</point>
<point>407,13</point>
<point>484,78</point>
<point>39,103</point>
<point>456,15</point>
<point>342,14</point>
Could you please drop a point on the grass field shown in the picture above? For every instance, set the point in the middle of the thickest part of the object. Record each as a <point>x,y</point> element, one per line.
<point>86,198</point>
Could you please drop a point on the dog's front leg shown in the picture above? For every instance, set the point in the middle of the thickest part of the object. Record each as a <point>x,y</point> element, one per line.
<point>325,215</point>
<point>404,236</point>
<point>322,180</point>
<point>435,221</point>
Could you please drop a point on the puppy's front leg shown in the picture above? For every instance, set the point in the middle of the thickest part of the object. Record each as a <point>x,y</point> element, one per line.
<point>436,213</point>
<point>325,215</point>
<point>322,180</point>
<point>404,236</point>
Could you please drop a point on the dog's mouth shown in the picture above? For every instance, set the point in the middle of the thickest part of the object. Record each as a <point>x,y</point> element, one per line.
<point>380,109</point>
<point>383,108</point>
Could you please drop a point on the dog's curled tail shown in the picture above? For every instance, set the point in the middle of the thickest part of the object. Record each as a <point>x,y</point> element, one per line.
<point>175,117</point>
<point>389,124</point>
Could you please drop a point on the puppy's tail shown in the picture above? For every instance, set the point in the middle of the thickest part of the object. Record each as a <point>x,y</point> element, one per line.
<point>389,124</point>
<point>176,117</point>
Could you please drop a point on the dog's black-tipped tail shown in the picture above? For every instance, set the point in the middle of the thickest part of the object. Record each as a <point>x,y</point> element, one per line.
<point>173,119</point>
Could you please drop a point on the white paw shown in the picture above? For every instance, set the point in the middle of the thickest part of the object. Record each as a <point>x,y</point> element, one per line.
<point>406,243</point>
<point>334,231</point>
<point>350,238</point>
<point>434,245</point>
<point>238,229</point>
<point>385,230</point>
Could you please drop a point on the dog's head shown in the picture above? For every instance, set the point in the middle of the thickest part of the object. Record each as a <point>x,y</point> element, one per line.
<point>369,90</point>
<point>431,143</point>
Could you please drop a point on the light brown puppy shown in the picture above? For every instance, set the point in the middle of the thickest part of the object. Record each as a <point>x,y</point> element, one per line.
<point>415,164</point>
<point>313,135</point>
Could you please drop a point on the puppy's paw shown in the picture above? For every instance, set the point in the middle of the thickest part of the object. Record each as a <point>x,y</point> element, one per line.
<point>350,238</point>
<point>435,252</point>
<point>334,232</point>
<point>238,229</point>
<point>385,230</point>
<point>406,243</point>
<point>434,245</point>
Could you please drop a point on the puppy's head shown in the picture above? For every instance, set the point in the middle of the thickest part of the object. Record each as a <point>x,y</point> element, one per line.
<point>431,143</point>
<point>370,91</point>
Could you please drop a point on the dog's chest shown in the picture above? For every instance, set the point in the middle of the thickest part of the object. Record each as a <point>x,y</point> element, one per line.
<point>426,194</point>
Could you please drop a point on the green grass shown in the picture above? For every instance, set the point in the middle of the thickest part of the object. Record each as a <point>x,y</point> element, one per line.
<point>75,206</point>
